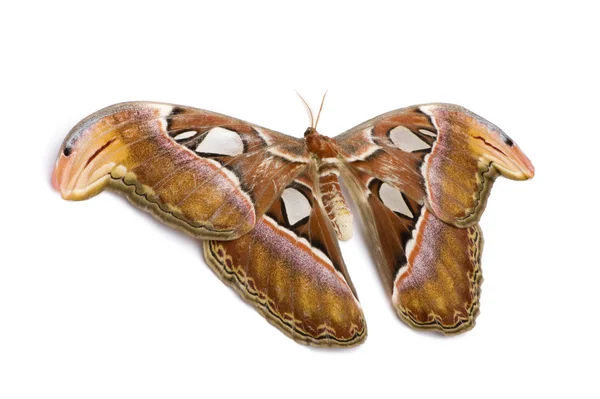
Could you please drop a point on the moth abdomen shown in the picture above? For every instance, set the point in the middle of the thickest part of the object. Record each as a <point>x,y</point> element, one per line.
<point>334,202</point>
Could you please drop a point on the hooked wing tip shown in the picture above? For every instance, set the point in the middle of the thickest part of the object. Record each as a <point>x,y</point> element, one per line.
<point>58,174</point>
<point>78,180</point>
<point>527,167</point>
<point>515,165</point>
<point>55,180</point>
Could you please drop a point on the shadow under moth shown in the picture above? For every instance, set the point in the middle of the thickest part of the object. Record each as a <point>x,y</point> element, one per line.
<point>270,208</point>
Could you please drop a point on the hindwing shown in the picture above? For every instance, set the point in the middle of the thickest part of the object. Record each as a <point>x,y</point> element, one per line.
<point>291,269</point>
<point>421,177</point>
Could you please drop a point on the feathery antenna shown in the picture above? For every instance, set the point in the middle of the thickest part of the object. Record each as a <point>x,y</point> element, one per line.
<point>320,109</point>
<point>308,108</point>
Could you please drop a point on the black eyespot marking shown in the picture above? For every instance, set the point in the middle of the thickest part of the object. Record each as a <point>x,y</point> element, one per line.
<point>67,151</point>
<point>507,140</point>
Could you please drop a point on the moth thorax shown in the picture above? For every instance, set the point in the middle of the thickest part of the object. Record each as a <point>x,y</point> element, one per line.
<point>319,145</point>
<point>335,204</point>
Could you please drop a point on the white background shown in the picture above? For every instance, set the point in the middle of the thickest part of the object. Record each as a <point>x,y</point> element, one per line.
<point>98,300</point>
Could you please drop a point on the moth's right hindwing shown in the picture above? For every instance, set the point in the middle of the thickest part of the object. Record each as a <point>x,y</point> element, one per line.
<point>421,177</point>
<point>210,175</point>
<point>431,268</point>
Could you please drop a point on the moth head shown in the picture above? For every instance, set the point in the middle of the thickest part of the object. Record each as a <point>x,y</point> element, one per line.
<point>86,158</point>
<point>310,130</point>
<point>484,140</point>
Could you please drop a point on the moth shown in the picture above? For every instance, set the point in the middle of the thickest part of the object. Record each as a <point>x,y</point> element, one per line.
<point>270,209</point>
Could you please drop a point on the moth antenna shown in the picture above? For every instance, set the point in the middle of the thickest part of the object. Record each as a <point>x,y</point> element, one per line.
<point>308,108</point>
<point>320,109</point>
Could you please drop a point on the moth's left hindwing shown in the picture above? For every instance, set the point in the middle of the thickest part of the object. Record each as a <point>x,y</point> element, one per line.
<point>210,175</point>
<point>291,269</point>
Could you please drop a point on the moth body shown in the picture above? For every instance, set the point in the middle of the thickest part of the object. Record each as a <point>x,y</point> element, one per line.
<point>326,155</point>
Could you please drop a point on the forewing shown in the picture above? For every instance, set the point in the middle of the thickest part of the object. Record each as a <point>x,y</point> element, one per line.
<point>290,268</point>
<point>210,175</point>
<point>441,155</point>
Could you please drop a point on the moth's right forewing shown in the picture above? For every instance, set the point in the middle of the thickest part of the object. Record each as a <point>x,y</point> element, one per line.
<point>440,154</point>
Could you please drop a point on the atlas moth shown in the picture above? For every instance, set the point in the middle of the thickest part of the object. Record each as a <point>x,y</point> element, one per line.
<point>270,209</point>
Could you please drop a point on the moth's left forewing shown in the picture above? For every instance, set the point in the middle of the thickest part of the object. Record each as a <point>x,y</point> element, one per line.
<point>210,175</point>
<point>290,268</point>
